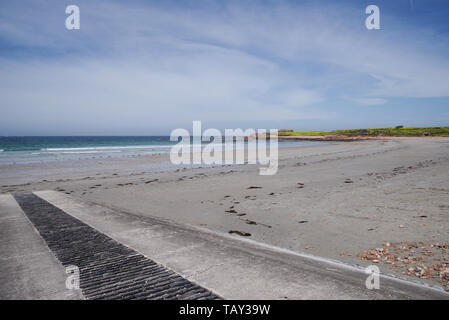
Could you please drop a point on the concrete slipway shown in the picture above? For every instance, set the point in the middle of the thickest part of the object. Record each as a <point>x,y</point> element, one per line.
<point>227,266</point>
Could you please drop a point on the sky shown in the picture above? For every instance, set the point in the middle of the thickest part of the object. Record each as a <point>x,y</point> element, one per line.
<point>148,67</point>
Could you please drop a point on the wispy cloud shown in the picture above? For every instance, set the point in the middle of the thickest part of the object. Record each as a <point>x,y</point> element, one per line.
<point>370,101</point>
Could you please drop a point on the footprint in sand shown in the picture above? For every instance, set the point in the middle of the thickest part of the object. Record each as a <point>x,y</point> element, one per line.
<point>247,221</point>
<point>251,197</point>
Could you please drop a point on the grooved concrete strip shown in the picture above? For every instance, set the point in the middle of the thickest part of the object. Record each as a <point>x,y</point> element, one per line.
<point>108,269</point>
<point>233,267</point>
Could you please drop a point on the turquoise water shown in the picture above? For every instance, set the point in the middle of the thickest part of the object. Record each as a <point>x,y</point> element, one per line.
<point>77,143</point>
<point>43,149</point>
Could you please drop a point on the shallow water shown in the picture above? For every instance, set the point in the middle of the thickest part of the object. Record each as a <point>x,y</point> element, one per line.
<point>23,150</point>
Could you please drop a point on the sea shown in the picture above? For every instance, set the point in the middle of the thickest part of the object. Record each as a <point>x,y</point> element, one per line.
<point>33,149</point>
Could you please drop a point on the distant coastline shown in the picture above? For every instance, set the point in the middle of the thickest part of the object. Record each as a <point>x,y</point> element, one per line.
<point>398,132</point>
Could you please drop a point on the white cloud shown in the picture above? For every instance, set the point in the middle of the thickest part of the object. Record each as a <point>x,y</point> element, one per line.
<point>370,101</point>
<point>300,98</point>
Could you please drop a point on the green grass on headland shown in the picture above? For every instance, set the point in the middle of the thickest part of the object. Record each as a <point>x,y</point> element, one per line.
<point>400,132</point>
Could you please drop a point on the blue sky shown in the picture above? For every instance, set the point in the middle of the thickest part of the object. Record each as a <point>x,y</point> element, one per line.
<point>147,67</point>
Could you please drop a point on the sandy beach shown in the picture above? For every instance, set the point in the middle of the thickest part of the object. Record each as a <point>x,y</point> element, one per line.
<point>339,200</point>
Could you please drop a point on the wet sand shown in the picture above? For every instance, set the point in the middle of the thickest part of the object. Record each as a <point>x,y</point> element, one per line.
<point>338,201</point>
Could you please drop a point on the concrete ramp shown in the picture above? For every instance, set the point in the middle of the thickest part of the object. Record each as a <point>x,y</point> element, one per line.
<point>28,268</point>
<point>104,269</point>
<point>225,266</point>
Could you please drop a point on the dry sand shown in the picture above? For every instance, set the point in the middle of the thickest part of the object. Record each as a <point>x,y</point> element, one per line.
<point>337,200</point>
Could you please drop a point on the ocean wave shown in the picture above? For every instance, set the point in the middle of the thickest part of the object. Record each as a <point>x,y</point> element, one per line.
<point>72,152</point>
<point>1,150</point>
<point>106,148</point>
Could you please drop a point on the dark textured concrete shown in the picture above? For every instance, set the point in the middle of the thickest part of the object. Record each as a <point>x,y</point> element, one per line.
<point>108,269</point>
